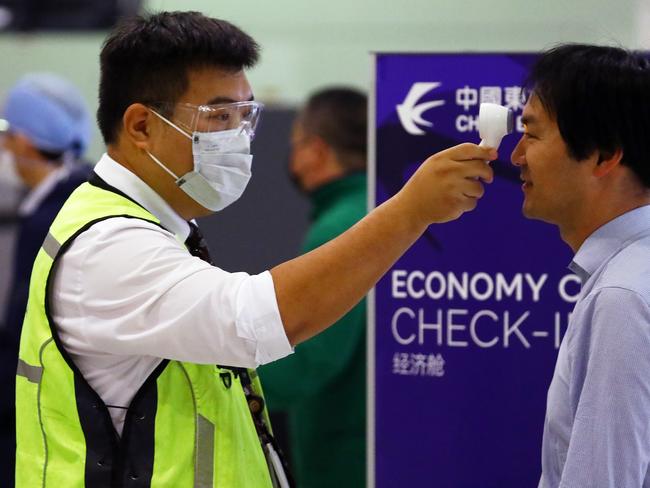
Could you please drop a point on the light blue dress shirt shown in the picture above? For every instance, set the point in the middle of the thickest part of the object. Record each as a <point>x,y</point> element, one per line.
<point>597,427</point>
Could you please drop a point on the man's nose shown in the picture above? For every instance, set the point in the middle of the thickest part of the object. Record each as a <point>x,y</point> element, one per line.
<point>517,157</point>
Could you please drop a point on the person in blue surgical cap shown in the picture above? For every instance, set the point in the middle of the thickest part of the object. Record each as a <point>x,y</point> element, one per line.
<point>44,132</point>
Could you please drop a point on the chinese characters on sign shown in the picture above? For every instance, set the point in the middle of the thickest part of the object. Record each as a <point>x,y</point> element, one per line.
<point>470,97</point>
<point>432,365</point>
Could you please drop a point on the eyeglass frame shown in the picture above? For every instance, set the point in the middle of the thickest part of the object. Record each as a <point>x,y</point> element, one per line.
<point>204,108</point>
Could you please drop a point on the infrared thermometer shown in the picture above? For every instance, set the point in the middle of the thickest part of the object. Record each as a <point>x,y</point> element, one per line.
<point>494,122</point>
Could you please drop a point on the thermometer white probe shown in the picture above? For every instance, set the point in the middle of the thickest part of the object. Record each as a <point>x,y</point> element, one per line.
<point>494,122</point>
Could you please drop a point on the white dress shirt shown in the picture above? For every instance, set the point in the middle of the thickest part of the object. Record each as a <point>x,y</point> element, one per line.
<point>127,294</point>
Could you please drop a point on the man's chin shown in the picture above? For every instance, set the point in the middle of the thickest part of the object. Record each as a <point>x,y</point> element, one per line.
<point>534,214</point>
<point>529,211</point>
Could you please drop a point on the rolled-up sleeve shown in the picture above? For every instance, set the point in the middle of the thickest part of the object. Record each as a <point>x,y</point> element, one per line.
<point>258,318</point>
<point>128,287</point>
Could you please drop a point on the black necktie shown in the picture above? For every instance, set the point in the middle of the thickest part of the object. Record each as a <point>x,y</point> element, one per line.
<point>196,244</point>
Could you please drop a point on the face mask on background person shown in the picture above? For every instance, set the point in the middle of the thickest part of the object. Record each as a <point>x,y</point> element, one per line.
<point>222,166</point>
<point>8,173</point>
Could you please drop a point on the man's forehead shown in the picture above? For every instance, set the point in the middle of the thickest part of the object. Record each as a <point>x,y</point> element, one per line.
<point>297,129</point>
<point>534,112</point>
<point>213,86</point>
<point>221,99</point>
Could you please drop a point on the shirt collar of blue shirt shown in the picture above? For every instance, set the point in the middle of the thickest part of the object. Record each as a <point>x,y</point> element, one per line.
<point>607,240</point>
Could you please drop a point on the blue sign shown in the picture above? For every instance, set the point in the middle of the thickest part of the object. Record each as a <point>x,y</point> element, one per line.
<point>465,328</point>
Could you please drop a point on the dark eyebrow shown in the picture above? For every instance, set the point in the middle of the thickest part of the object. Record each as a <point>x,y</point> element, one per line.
<point>218,100</point>
<point>528,120</point>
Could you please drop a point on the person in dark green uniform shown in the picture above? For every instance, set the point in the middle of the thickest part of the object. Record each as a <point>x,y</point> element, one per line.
<point>322,387</point>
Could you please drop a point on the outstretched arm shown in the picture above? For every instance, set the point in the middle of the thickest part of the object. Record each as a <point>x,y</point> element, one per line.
<point>316,289</point>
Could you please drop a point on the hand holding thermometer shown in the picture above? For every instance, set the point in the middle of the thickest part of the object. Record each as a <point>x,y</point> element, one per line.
<point>494,122</point>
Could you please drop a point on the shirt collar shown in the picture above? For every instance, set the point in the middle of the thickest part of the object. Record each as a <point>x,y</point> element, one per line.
<point>127,182</point>
<point>40,192</point>
<point>608,239</point>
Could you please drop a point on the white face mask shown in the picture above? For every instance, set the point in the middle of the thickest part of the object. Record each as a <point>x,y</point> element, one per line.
<point>8,172</point>
<point>222,167</point>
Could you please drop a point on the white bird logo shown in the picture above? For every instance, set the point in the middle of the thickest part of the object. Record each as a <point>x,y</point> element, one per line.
<point>410,114</point>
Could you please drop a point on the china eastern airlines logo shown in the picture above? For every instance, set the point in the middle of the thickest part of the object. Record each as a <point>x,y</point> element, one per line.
<point>410,112</point>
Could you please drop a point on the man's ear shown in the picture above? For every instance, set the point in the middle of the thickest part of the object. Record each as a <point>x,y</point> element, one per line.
<point>320,148</point>
<point>607,162</point>
<point>136,123</point>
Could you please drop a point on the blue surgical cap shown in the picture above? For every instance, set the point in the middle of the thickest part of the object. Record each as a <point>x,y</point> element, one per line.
<point>50,111</point>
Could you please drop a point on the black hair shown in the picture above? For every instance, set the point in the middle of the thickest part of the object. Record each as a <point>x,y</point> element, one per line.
<point>338,116</point>
<point>600,99</point>
<point>147,58</point>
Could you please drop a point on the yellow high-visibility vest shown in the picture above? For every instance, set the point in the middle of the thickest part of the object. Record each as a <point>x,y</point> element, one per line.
<point>188,426</point>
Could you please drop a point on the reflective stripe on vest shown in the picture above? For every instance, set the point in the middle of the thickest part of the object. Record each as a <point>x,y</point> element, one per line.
<point>32,373</point>
<point>185,427</point>
<point>51,246</point>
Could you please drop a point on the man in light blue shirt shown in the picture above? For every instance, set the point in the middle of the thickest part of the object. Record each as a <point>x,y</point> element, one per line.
<point>585,165</point>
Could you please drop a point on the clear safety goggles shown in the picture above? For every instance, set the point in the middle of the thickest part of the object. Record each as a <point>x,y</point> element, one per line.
<point>212,118</point>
